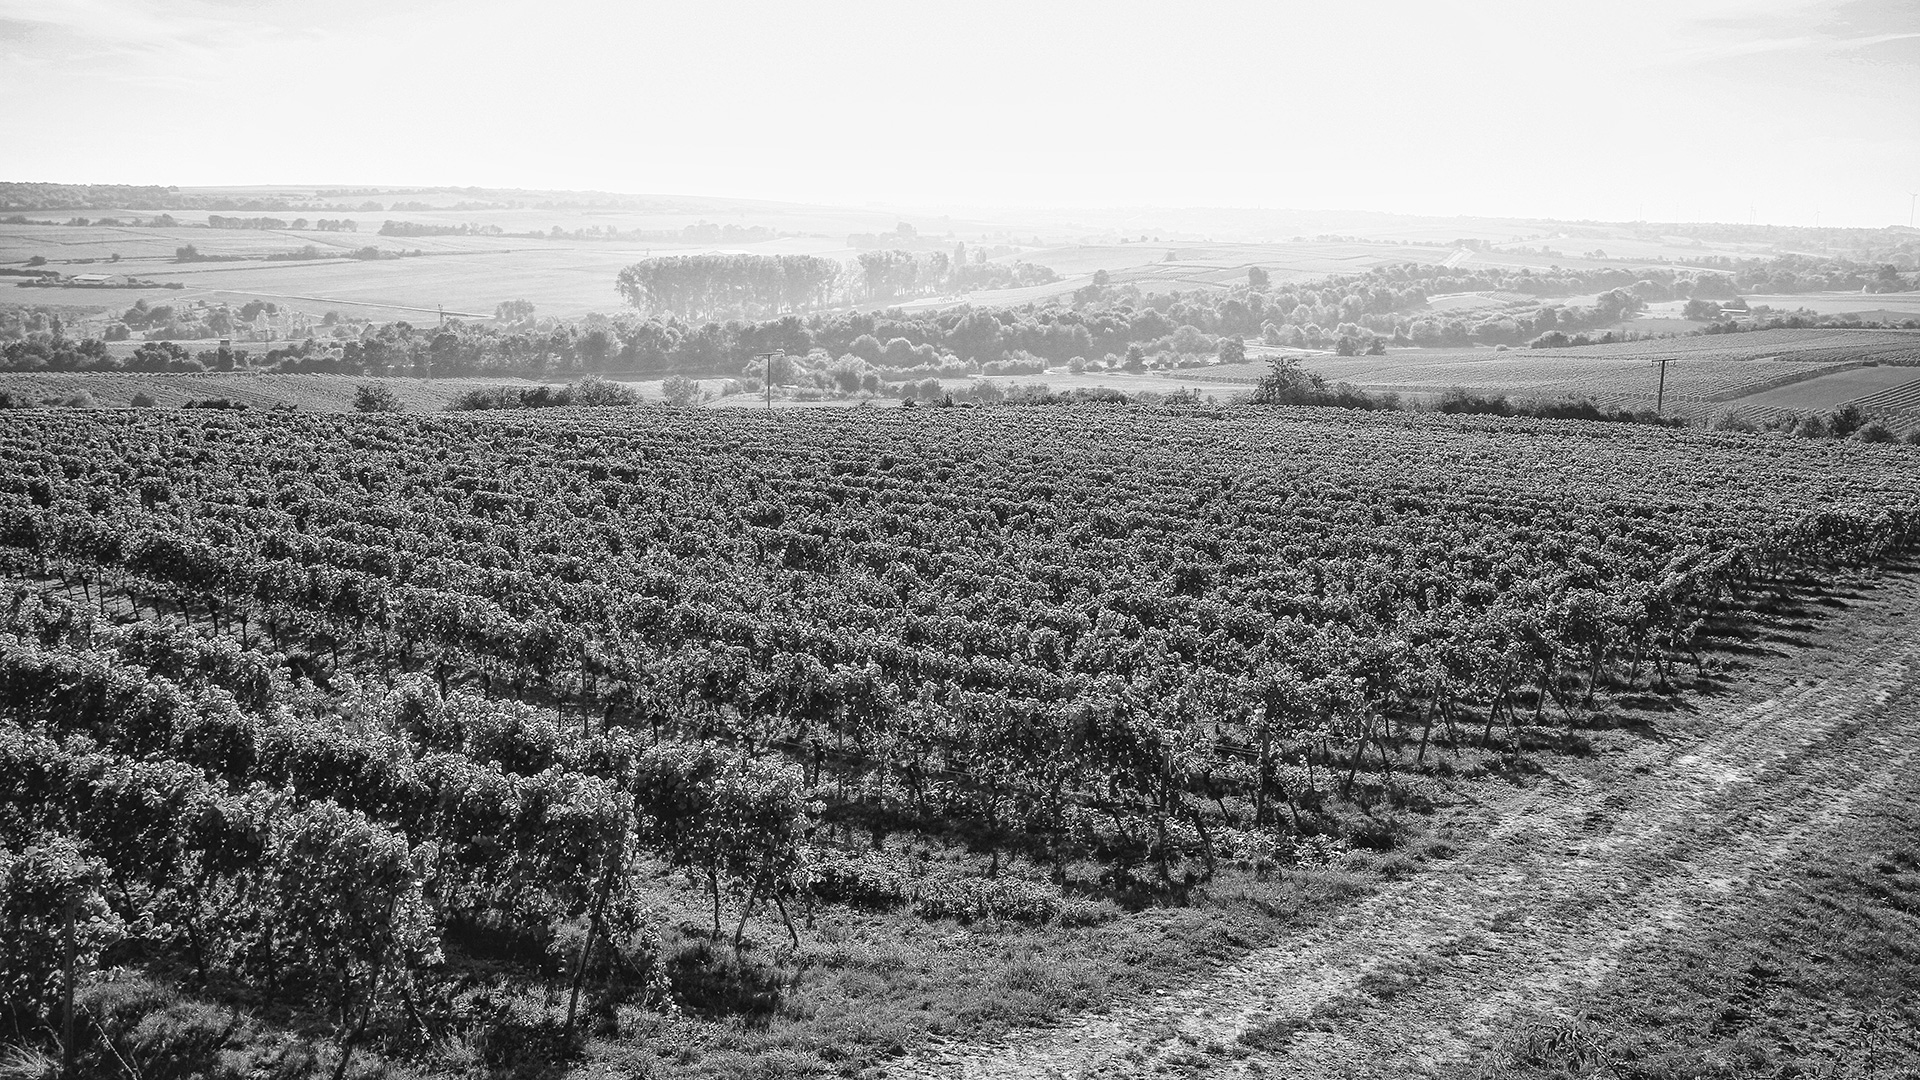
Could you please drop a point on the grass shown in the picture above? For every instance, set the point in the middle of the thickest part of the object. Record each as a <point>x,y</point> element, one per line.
<point>862,988</point>
<point>1814,974</point>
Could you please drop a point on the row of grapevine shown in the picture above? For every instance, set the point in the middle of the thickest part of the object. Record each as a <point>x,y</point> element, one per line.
<point>416,679</point>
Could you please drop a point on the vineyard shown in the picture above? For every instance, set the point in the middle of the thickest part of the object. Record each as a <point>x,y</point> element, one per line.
<point>1902,398</point>
<point>359,745</point>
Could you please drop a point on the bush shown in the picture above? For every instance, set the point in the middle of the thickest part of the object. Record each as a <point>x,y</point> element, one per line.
<point>143,400</point>
<point>599,393</point>
<point>482,398</point>
<point>1732,420</point>
<point>680,390</point>
<point>1875,432</point>
<point>592,391</point>
<point>1812,427</point>
<point>375,398</point>
<point>1846,420</point>
<point>1464,402</point>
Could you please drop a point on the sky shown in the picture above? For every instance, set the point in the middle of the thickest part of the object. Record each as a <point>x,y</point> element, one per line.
<point>1791,112</point>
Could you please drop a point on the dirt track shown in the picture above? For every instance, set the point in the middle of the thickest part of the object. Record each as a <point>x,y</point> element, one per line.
<point>1558,881</point>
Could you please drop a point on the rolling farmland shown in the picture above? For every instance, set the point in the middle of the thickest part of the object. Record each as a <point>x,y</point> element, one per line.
<point>569,276</point>
<point>1774,369</point>
<point>323,393</point>
<point>1901,398</point>
<point>1836,388</point>
<point>265,390</point>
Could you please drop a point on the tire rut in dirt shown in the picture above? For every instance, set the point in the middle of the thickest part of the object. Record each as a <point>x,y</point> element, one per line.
<point>1430,973</point>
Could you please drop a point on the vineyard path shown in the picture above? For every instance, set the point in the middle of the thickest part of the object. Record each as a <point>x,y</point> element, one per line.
<point>1563,879</point>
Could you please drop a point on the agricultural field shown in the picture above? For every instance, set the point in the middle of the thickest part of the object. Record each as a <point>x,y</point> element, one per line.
<point>569,277</point>
<point>1796,369</point>
<point>266,390</point>
<point>1824,392</point>
<point>462,275</point>
<point>1880,307</point>
<point>1900,398</point>
<point>688,743</point>
<point>321,393</point>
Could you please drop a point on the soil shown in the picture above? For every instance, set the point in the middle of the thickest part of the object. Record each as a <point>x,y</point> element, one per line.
<point>1553,883</point>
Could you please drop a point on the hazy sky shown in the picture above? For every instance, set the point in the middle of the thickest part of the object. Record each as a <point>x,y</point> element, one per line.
<point>1705,109</point>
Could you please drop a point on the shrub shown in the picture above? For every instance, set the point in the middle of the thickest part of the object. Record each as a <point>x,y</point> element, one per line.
<point>592,390</point>
<point>1732,420</point>
<point>374,398</point>
<point>143,400</point>
<point>481,398</point>
<point>680,390</point>
<point>596,391</point>
<point>1458,400</point>
<point>1812,427</point>
<point>1875,432</point>
<point>1846,420</point>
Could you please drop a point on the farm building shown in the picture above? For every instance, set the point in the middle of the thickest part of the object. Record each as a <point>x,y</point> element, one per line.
<point>98,279</point>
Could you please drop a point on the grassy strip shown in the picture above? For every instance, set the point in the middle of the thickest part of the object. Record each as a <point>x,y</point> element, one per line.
<point>863,988</point>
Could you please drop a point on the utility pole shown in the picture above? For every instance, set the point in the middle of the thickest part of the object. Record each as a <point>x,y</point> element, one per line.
<point>1660,398</point>
<point>1912,197</point>
<point>766,359</point>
